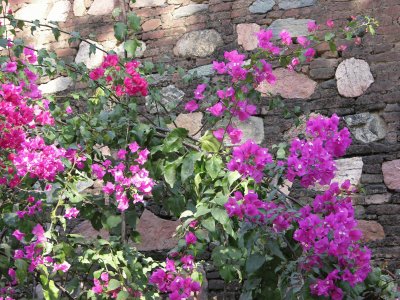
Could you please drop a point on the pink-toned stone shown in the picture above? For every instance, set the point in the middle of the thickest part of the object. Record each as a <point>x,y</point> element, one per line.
<point>156,233</point>
<point>391,174</point>
<point>246,35</point>
<point>353,77</point>
<point>86,229</point>
<point>151,24</point>
<point>372,230</point>
<point>101,7</point>
<point>191,122</point>
<point>289,84</point>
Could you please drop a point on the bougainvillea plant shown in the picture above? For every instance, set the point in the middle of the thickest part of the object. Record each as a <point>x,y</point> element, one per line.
<point>229,199</point>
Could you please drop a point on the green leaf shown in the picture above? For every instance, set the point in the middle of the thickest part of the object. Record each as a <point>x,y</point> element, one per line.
<point>209,224</point>
<point>170,172</point>
<point>113,221</point>
<point>220,215</point>
<point>130,46</point>
<point>50,291</point>
<point>56,33</point>
<point>214,166</point>
<point>122,295</point>
<point>113,284</point>
<point>188,164</point>
<point>332,46</point>
<point>133,21</point>
<point>120,31</point>
<point>232,177</point>
<point>329,36</point>
<point>116,12</point>
<point>254,262</point>
<point>209,143</point>
<point>173,142</point>
<point>280,154</point>
<point>201,210</point>
<point>22,268</point>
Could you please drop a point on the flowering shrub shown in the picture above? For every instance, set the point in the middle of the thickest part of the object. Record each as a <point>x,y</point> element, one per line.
<point>53,150</point>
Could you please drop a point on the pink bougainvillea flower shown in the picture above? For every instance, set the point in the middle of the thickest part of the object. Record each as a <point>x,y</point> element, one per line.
<point>71,213</point>
<point>11,67</point>
<point>191,106</point>
<point>330,23</point>
<point>18,235</point>
<point>190,238</point>
<point>133,147</point>
<point>312,26</point>
<point>285,37</point>
<point>64,267</point>
<point>68,110</point>
<point>217,109</point>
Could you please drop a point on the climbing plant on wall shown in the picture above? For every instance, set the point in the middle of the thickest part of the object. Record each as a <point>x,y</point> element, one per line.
<point>227,191</point>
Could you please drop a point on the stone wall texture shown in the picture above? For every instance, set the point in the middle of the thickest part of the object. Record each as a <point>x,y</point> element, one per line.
<point>362,85</point>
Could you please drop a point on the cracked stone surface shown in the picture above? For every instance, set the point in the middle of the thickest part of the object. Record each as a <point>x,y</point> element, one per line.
<point>366,127</point>
<point>261,6</point>
<point>391,174</point>
<point>296,27</point>
<point>290,85</point>
<point>170,97</point>
<point>56,85</point>
<point>199,43</point>
<point>246,35</point>
<point>353,77</point>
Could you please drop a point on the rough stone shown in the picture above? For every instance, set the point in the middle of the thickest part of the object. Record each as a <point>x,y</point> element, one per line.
<point>86,229</point>
<point>246,35</point>
<point>148,3</point>
<point>56,85</point>
<point>366,127</point>
<point>26,12</point>
<point>191,122</point>
<point>170,97</point>
<point>91,61</point>
<point>202,71</point>
<point>296,27</point>
<point>79,8</point>
<point>349,168</point>
<point>261,6</point>
<point>59,11</point>
<point>188,10</point>
<point>353,77</point>
<point>252,128</point>
<point>156,233</point>
<point>372,230</point>
<point>288,4</point>
<point>377,199</point>
<point>289,84</point>
<point>151,24</point>
<point>101,7</point>
<point>200,43</point>
<point>391,174</point>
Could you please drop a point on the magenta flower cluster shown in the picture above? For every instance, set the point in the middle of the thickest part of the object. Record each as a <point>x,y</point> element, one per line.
<point>128,182</point>
<point>134,83</point>
<point>249,159</point>
<point>327,227</point>
<point>175,279</point>
<point>311,159</point>
<point>250,208</point>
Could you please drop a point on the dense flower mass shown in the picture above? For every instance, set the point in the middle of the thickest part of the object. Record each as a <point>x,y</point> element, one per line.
<point>252,209</point>
<point>327,227</point>
<point>133,83</point>
<point>311,159</point>
<point>249,160</point>
<point>128,182</point>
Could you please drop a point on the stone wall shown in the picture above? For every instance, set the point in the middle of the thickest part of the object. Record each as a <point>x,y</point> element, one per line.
<point>362,85</point>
